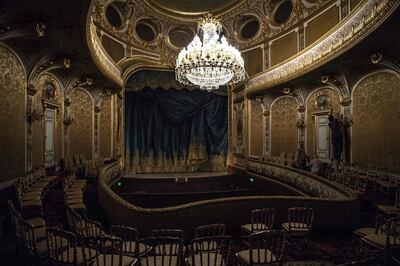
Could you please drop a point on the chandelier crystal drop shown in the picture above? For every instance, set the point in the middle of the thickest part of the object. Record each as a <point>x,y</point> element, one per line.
<point>211,61</point>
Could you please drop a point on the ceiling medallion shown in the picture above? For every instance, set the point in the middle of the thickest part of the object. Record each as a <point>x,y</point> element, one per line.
<point>211,61</point>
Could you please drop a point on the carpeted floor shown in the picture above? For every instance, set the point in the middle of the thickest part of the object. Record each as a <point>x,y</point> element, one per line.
<point>323,247</point>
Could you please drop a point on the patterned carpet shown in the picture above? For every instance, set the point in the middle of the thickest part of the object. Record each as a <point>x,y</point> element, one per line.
<point>323,249</point>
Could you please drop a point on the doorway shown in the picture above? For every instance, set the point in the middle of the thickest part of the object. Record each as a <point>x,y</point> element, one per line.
<point>49,137</point>
<point>322,148</point>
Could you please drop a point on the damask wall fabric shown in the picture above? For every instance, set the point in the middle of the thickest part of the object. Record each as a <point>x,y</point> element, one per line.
<point>12,123</point>
<point>312,109</point>
<point>175,131</point>
<point>105,128</point>
<point>284,134</point>
<point>256,129</point>
<point>81,130</point>
<point>376,121</point>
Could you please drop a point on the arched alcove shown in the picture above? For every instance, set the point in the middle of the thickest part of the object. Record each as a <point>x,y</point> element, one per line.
<point>284,135</point>
<point>81,130</point>
<point>320,102</point>
<point>376,121</point>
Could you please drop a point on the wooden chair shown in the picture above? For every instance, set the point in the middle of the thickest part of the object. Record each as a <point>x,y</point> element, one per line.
<point>359,233</point>
<point>34,249</point>
<point>165,251</point>
<point>209,251</point>
<point>62,248</point>
<point>105,251</point>
<point>83,227</point>
<point>395,208</point>
<point>129,237</point>
<point>209,230</point>
<point>265,248</point>
<point>386,239</point>
<point>299,223</point>
<point>260,220</point>
<point>37,222</point>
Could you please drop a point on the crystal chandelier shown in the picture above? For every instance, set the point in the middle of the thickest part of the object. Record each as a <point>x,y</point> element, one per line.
<point>211,61</point>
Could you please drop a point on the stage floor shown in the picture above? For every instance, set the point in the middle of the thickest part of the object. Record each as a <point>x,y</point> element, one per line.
<point>176,175</point>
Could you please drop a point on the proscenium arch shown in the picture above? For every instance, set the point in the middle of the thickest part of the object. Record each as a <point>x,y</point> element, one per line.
<point>136,68</point>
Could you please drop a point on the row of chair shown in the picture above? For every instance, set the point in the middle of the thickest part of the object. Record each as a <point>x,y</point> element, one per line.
<point>88,243</point>
<point>74,191</point>
<point>378,179</point>
<point>31,189</point>
<point>284,158</point>
<point>85,167</point>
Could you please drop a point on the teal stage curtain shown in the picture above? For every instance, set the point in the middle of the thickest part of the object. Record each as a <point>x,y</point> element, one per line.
<point>175,131</point>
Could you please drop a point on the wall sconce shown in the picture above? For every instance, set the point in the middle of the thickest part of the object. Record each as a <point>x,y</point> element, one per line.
<point>35,113</point>
<point>68,120</point>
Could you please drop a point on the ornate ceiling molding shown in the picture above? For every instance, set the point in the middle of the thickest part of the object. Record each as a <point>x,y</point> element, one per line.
<point>366,18</point>
<point>100,56</point>
<point>161,52</point>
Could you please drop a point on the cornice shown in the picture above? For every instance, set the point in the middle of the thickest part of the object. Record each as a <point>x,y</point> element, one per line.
<point>190,16</point>
<point>365,19</point>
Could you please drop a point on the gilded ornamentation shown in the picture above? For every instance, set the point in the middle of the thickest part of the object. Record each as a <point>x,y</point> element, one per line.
<point>238,118</point>
<point>312,186</point>
<point>166,20</point>
<point>105,128</point>
<point>331,104</point>
<point>367,17</point>
<point>376,130</point>
<point>256,129</point>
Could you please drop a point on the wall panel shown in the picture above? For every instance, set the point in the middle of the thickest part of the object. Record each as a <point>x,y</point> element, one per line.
<point>13,116</point>
<point>284,134</point>
<point>105,128</point>
<point>283,48</point>
<point>376,121</point>
<point>320,25</point>
<point>256,129</point>
<point>81,130</point>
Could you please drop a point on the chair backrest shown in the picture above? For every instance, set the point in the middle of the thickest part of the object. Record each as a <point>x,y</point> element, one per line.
<point>300,218</point>
<point>262,219</point>
<point>128,235</point>
<point>92,228</point>
<point>75,222</point>
<point>61,246</point>
<point>210,251</point>
<point>15,217</point>
<point>389,225</point>
<point>29,241</point>
<point>176,233</point>
<point>209,230</point>
<point>108,250</point>
<point>397,198</point>
<point>267,247</point>
<point>166,251</point>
